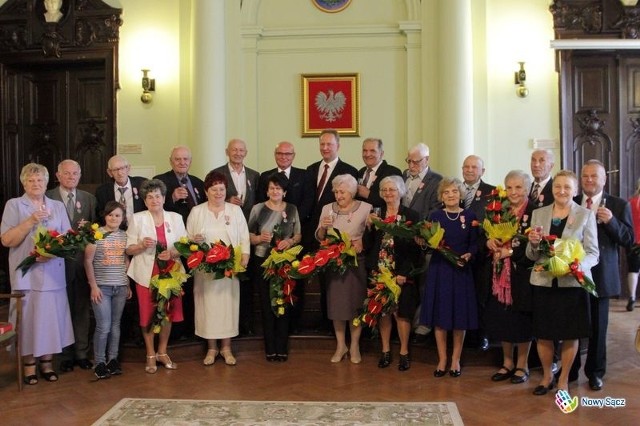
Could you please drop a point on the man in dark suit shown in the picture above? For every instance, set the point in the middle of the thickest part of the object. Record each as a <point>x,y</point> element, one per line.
<point>422,196</point>
<point>184,191</point>
<point>541,193</point>
<point>373,172</point>
<point>475,198</point>
<point>321,174</point>
<point>122,188</point>
<point>81,208</point>
<point>615,230</point>
<point>300,193</point>
<point>242,190</point>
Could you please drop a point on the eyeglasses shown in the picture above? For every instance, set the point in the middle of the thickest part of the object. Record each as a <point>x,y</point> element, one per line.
<point>415,162</point>
<point>285,154</point>
<point>119,169</point>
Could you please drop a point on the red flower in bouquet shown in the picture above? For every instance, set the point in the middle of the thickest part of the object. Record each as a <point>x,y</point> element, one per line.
<point>277,269</point>
<point>382,299</point>
<point>336,252</point>
<point>165,286</point>
<point>217,258</point>
<point>396,226</point>
<point>433,234</point>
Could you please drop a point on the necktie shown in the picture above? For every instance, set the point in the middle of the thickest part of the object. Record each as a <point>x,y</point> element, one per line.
<point>123,200</point>
<point>468,198</point>
<point>189,200</point>
<point>367,175</point>
<point>70,205</point>
<point>536,192</point>
<point>589,203</point>
<point>323,180</point>
<point>283,173</point>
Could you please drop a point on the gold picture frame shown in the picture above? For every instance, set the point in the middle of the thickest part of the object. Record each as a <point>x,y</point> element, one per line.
<point>331,101</point>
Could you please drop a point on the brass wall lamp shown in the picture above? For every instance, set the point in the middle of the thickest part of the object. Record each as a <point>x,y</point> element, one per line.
<point>148,86</point>
<point>520,79</point>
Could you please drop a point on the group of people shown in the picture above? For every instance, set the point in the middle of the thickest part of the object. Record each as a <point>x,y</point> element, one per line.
<point>286,206</point>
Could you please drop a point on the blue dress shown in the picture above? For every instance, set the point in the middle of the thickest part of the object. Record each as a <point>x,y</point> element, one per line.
<point>449,299</point>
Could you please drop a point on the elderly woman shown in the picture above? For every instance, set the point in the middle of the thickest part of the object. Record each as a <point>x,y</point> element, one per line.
<point>345,292</point>
<point>217,301</point>
<point>399,256</point>
<point>46,326</point>
<point>273,223</point>
<point>449,300</point>
<point>149,229</point>
<point>507,315</point>
<point>560,305</point>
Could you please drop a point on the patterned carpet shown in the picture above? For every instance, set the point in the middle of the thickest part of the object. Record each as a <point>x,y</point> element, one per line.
<point>134,411</point>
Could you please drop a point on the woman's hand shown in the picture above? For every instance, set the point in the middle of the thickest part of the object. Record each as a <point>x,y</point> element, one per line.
<point>265,237</point>
<point>164,255</point>
<point>96,294</point>
<point>129,293</point>
<point>401,280</point>
<point>493,245</point>
<point>198,238</point>
<point>244,260</point>
<point>38,216</point>
<point>148,242</point>
<point>535,236</point>
<point>43,259</point>
<point>464,259</point>
<point>285,244</point>
<point>327,221</point>
<point>357,244</point>
<point>420,241</point>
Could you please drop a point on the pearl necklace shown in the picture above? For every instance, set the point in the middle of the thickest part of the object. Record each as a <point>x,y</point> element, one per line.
<point>455,218</point>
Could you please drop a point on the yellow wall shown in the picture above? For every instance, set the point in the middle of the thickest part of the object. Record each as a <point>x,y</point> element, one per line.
<point>295,37</point>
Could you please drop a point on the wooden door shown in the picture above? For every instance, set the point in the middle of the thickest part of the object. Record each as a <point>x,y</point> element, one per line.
<point>629,124</point>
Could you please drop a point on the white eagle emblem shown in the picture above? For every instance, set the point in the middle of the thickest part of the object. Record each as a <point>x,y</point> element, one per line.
<point>331,105</point>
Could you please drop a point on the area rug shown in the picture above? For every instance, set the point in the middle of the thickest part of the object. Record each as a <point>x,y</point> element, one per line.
<point>160,412</point>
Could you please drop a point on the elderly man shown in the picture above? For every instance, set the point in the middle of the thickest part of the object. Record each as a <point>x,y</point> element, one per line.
<point>184,191</point>
<point>373,172</point>
<point>541,164</point>
<point>81,208</point>
<point>242,186</point>
<point>615,230</point>
<point>123,188</point>
<point>475,198</point>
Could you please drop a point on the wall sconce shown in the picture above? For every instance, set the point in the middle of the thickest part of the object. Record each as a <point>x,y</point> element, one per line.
<point>521,78</point>
<point>148,85</point>
<point>629,3</point>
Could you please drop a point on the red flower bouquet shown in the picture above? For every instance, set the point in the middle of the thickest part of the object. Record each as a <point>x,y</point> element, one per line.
<point>336,252</point>
<point>382,299</point>
<point>165,286</point>
<point>217,258</point>
<point>433,234</point>
<point>396,226</point>
<point>277,270</point>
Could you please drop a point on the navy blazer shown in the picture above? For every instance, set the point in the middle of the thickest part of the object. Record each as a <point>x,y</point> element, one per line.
<point>300,191</point>
<point>105,193</point>
<point>425,200</point>
<point>250,198</point>
<point>182,208</point>
<point>326,197</point>
<point>383,171</point>
<point>618,232</point>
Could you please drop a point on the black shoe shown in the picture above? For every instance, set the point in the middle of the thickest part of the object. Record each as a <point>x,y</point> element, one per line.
<point>113,367</point>
<point>439,373</point>
<point>455,373</point>
<point>66,366</point>
<point>630,304</point>
<point>272,357</point>
<point>101,371</point>
<point>282,357</point>
<point>405,362</point>
<point>484,344</point>
<point>595,383</point>
<point>84,363</point>
<point>515,379</point>
<point>385,360</point>
<point>498,377</point>
<point>543,390</point>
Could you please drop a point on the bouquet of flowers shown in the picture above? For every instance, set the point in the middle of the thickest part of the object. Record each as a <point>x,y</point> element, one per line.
<point>336,252</point>
<point>281,285</point>
<point>563,258</point>
<point>396,226</point>
<point>217,258</point>
<point>499,222</point>
<point>165,286</point>
<point>382,299</point>
<point>50,243</point>
<point>433,234</point>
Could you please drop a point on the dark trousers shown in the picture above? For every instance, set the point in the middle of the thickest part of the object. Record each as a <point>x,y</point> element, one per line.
<point>78,294</point>
<point>596,363</point>
<point>275,329</point>
<point>246,298</point>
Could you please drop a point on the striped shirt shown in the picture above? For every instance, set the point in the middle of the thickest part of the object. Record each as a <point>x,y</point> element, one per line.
<point>109,260</point>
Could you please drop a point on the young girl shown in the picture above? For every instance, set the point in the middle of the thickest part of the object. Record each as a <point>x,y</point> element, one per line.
<point>106,264</point>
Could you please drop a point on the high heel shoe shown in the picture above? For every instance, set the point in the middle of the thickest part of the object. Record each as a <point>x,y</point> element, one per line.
<point>455,373</point>
<point>210,359</point>
<point>339,356</point>
<point>166,361</point>
<point>439,373</point>
<point>385,360</point>
<point>151,367</point>
<point>229,359</point>
<point>48,373</point>
<point>30,379</point>
<point>355,357</point>
<point>405,362</point>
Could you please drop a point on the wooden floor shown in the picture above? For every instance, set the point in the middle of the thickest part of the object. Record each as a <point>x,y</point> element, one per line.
<point>77,399</point>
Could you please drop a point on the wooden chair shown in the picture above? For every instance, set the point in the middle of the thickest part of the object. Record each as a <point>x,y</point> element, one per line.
<point>13,336</point>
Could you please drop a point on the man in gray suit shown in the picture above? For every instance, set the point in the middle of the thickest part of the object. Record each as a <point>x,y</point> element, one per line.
<point>242,187</point>
<point>422,196</point>
<point>81,208</point>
